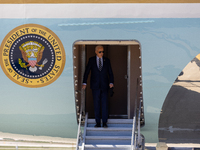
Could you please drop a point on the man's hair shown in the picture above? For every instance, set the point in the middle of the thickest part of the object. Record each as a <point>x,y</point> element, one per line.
<point>97,47</point>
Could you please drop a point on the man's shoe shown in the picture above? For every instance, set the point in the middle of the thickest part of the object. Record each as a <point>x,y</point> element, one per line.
<point>105,125</point>
<point>97,125</point>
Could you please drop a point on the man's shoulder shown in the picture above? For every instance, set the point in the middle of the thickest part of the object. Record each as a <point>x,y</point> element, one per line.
<point>106,59</point>
<point>92,58</point>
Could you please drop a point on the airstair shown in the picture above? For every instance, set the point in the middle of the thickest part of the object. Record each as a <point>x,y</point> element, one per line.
<point>121,134</point>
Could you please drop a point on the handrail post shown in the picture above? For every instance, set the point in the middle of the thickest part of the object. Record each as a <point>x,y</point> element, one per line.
<point>133,135</point>
<point>133,139</point>
<point>139,112</point>
<point>137,141</point>
<point>84,133</point>
<point>79,132</point>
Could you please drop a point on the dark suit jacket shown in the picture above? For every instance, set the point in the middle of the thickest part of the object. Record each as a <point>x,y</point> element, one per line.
<point>99,79</point>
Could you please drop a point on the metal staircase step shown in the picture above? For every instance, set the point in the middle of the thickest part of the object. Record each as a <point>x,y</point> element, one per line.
<point>122,121</point>
<point>116,136</point>
<point>114,123</point>
<point>107,147</point>
<point>110,131</point>
<point>108,140</point>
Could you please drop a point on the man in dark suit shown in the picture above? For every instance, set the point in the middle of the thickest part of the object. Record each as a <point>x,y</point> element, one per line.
<point>101,80</point>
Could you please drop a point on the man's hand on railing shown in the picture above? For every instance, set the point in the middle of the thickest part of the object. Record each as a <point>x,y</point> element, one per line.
<point>84,87</point>
<point>111,85</point>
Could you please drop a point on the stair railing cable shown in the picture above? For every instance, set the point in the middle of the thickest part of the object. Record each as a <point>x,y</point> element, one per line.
<point>79,139</point>
<point>133,138</point>
<point>79,133</point>
<point>137,140</point>
<point>84,133</point>
<point>140,143</point>
<point>133,143</point>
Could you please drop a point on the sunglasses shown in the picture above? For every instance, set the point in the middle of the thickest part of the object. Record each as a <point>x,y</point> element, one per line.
<point>101,52</point>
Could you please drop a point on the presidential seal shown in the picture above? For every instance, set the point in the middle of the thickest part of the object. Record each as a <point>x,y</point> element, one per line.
<point>32,55</point>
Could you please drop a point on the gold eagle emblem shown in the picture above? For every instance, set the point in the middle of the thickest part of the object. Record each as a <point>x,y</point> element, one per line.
<point>32,53</point>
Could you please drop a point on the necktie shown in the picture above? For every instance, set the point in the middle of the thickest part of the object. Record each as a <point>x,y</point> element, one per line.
<point>100,65</point>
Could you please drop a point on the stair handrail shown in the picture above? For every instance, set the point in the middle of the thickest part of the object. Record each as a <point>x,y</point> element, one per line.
<point>84,133</point>
<point>79,133</point>
<point>139,112</point>
<point>139,140</point>
<point>133,146</point>
<point>133,138</point>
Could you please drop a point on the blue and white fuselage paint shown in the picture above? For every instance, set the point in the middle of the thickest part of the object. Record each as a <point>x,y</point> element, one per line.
<point>169,36</point>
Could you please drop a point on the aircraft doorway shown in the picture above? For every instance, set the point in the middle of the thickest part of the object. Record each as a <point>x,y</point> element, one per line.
<point>125,58</point>
<point>118,58</point>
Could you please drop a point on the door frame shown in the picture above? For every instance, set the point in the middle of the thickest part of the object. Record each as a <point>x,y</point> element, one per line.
<point>82,43</point>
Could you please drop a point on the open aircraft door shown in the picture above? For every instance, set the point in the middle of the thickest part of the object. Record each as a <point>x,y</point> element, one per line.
<point>125,58</point>
<point>126,113</point>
